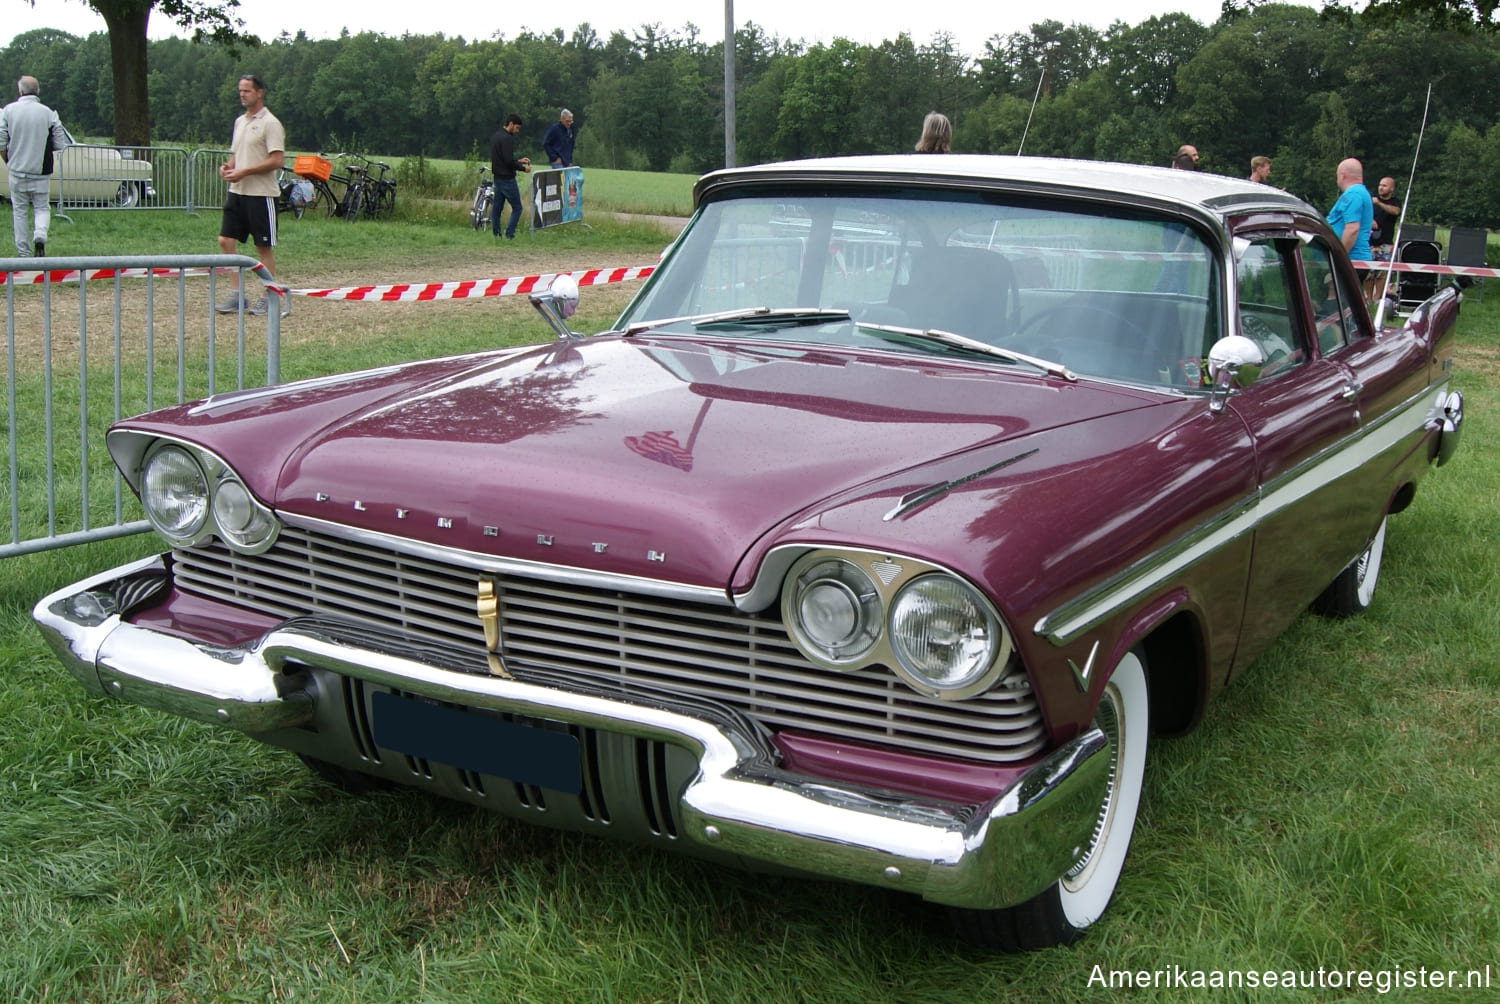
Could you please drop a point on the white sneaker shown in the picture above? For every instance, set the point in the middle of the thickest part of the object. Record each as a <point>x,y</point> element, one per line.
<point>231,303</point>
<point>258,308</point>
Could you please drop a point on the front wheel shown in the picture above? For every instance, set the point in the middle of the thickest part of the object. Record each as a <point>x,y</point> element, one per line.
<point>479,216</point>
<point>1354,589</point>
<point>1075,902</point>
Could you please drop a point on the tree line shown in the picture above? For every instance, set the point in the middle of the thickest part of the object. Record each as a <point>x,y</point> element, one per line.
<point>1292,83</point>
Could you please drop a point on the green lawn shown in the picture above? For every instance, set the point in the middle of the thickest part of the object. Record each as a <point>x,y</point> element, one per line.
<point>1335,809</point>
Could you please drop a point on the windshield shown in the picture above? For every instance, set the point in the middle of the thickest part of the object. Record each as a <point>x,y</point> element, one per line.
<point>1124,296</point>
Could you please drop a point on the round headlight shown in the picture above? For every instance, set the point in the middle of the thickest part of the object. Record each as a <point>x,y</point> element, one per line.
<point>945,637</point>
<point>174,492</point>
<point>833,610</point>
<point>243,522</point>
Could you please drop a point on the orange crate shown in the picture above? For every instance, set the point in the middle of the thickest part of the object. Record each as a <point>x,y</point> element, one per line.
<point>312,167</point>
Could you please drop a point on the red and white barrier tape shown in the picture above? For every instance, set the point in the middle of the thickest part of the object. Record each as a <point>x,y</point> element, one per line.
<point>403,292</point>
<point>391,293</point>
<point>1414,266</point>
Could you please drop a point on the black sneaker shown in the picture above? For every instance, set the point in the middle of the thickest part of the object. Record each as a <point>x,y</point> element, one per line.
<point>39,248</point>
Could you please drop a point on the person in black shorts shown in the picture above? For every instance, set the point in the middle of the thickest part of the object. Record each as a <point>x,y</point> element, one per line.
<point>255,155</point>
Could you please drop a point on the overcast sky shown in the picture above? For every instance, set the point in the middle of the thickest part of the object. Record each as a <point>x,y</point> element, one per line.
<point>868,22</point>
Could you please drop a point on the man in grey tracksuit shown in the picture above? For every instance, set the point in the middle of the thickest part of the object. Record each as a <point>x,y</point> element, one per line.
<point>26,127</point>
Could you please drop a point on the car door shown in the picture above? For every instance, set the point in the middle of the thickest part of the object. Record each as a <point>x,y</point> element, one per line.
<point>1390,373</point>
<point>1300,411</point>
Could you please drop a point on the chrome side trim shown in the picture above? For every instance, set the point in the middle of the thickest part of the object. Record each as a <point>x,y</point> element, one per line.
<point>1071,620</point>
<point>493,564</point>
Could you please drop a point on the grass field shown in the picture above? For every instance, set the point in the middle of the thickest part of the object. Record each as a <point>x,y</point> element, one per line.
<point>1335,810</point>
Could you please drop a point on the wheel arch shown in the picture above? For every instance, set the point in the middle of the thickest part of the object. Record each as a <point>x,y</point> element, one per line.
<point>1177,678</point>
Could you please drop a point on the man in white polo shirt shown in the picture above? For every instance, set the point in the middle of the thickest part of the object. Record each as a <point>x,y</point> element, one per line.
<point>255,155</point>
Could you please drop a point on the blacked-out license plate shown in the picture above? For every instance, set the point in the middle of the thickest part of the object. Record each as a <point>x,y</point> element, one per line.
<point>522,753</point>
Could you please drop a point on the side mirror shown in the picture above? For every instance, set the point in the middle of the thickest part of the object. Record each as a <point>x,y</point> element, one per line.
<point>1234,363</point>
<point>557,303</point>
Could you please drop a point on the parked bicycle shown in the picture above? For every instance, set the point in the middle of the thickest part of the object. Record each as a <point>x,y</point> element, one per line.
<point>380,191</point>
<point>484,201</point>
<point>362,190</point>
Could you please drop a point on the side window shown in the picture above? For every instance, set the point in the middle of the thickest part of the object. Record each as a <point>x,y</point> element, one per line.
<point>1332,299</point>
<point>1266,315</point>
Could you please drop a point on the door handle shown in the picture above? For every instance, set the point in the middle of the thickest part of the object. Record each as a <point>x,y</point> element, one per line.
<point>1351,390</point>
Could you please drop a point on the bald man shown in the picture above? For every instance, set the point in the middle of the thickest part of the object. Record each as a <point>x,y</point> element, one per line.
<point>1353,213</point>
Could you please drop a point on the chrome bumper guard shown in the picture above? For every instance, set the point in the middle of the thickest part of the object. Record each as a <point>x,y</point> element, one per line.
<point>997,854</point>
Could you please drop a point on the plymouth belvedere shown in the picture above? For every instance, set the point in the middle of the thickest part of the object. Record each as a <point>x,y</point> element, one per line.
<point>904,500</point>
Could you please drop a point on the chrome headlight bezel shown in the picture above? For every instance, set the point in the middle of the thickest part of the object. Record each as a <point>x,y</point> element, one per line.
<point>227,507</point>
<point>868,632</point>
<point>832,609</point>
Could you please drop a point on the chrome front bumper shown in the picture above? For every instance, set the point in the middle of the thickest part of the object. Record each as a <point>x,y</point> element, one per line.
<point>738,803</point>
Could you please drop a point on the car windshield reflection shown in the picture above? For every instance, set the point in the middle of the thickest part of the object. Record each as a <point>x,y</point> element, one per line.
<point>1099,293</point>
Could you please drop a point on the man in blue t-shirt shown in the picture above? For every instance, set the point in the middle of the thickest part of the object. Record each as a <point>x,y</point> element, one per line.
<point>1353,213</point>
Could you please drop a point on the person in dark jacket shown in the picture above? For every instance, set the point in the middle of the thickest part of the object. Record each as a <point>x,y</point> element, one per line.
<point>557,141</point>
<point>504,164</point>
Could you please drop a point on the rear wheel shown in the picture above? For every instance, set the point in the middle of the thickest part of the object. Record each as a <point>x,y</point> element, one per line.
<point>353,205</point>
<point>1076,901</point>
<point>1354,589</point>
<point>128,195</point>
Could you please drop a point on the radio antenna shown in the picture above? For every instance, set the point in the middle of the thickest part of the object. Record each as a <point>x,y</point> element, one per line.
<point>1034,98</point>
<point>1401,221</point>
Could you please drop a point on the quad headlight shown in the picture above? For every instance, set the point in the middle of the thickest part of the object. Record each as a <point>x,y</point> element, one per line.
<point>833,610</point>
<point>190,495</point>
<point>174,491</point>
<point>847,610</point>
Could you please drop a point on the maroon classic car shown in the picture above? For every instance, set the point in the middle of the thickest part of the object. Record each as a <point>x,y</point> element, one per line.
<point>905,499</point>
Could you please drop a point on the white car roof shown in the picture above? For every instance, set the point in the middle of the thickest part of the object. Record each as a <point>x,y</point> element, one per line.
<point>1214,192</point>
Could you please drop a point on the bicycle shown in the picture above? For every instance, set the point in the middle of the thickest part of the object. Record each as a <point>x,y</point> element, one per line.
<point>380,192</point>
<point>484,201</point>
<point>318,170</point>
<point>353,201</point>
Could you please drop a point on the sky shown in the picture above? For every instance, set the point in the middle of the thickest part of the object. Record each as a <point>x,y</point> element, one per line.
<point>869,22</point>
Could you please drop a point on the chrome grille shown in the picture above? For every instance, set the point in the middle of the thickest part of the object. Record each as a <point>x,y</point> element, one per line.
<point>745,661</point>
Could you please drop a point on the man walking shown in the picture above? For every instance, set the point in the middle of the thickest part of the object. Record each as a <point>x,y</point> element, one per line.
<point>29,132</point>
<point>255,155</point>
<point>503,165</point>
<point>557,141</point>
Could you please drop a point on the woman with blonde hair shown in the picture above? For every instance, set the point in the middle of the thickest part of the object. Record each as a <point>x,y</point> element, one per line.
<point>937,134</point>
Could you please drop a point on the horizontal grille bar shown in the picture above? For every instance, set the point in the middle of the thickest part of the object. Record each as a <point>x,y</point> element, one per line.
<point>745,661</point>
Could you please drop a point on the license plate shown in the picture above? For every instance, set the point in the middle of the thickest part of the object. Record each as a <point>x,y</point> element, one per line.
<point>517,752</point>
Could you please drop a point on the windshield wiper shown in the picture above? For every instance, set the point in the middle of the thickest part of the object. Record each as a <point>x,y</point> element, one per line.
<point>957,341</point>
<point>755,314</point>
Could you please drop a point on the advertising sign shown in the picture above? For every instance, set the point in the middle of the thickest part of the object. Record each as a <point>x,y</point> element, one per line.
<point>556,196</point>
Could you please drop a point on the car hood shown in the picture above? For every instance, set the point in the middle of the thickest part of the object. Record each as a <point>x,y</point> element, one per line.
<point>658,457</point>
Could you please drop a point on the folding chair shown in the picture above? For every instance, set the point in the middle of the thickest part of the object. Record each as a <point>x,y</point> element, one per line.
<point>1466,247</point>
<point>1419,232</point>
<point>1417,287</point>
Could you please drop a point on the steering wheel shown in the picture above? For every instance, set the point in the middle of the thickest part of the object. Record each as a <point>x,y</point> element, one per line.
<point>1092,343</point>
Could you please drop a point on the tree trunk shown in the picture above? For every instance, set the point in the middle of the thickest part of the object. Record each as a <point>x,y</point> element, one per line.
<point>127,50</point>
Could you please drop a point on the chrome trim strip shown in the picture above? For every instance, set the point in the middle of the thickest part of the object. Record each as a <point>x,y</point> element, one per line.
<point>1071,620</point>
<point>911,500</point>
<point>738,803</point>
<point>495,565</point>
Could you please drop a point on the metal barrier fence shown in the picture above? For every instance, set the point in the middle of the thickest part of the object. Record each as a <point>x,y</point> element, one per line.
<point>137,333</point>
<point>90,177</point>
